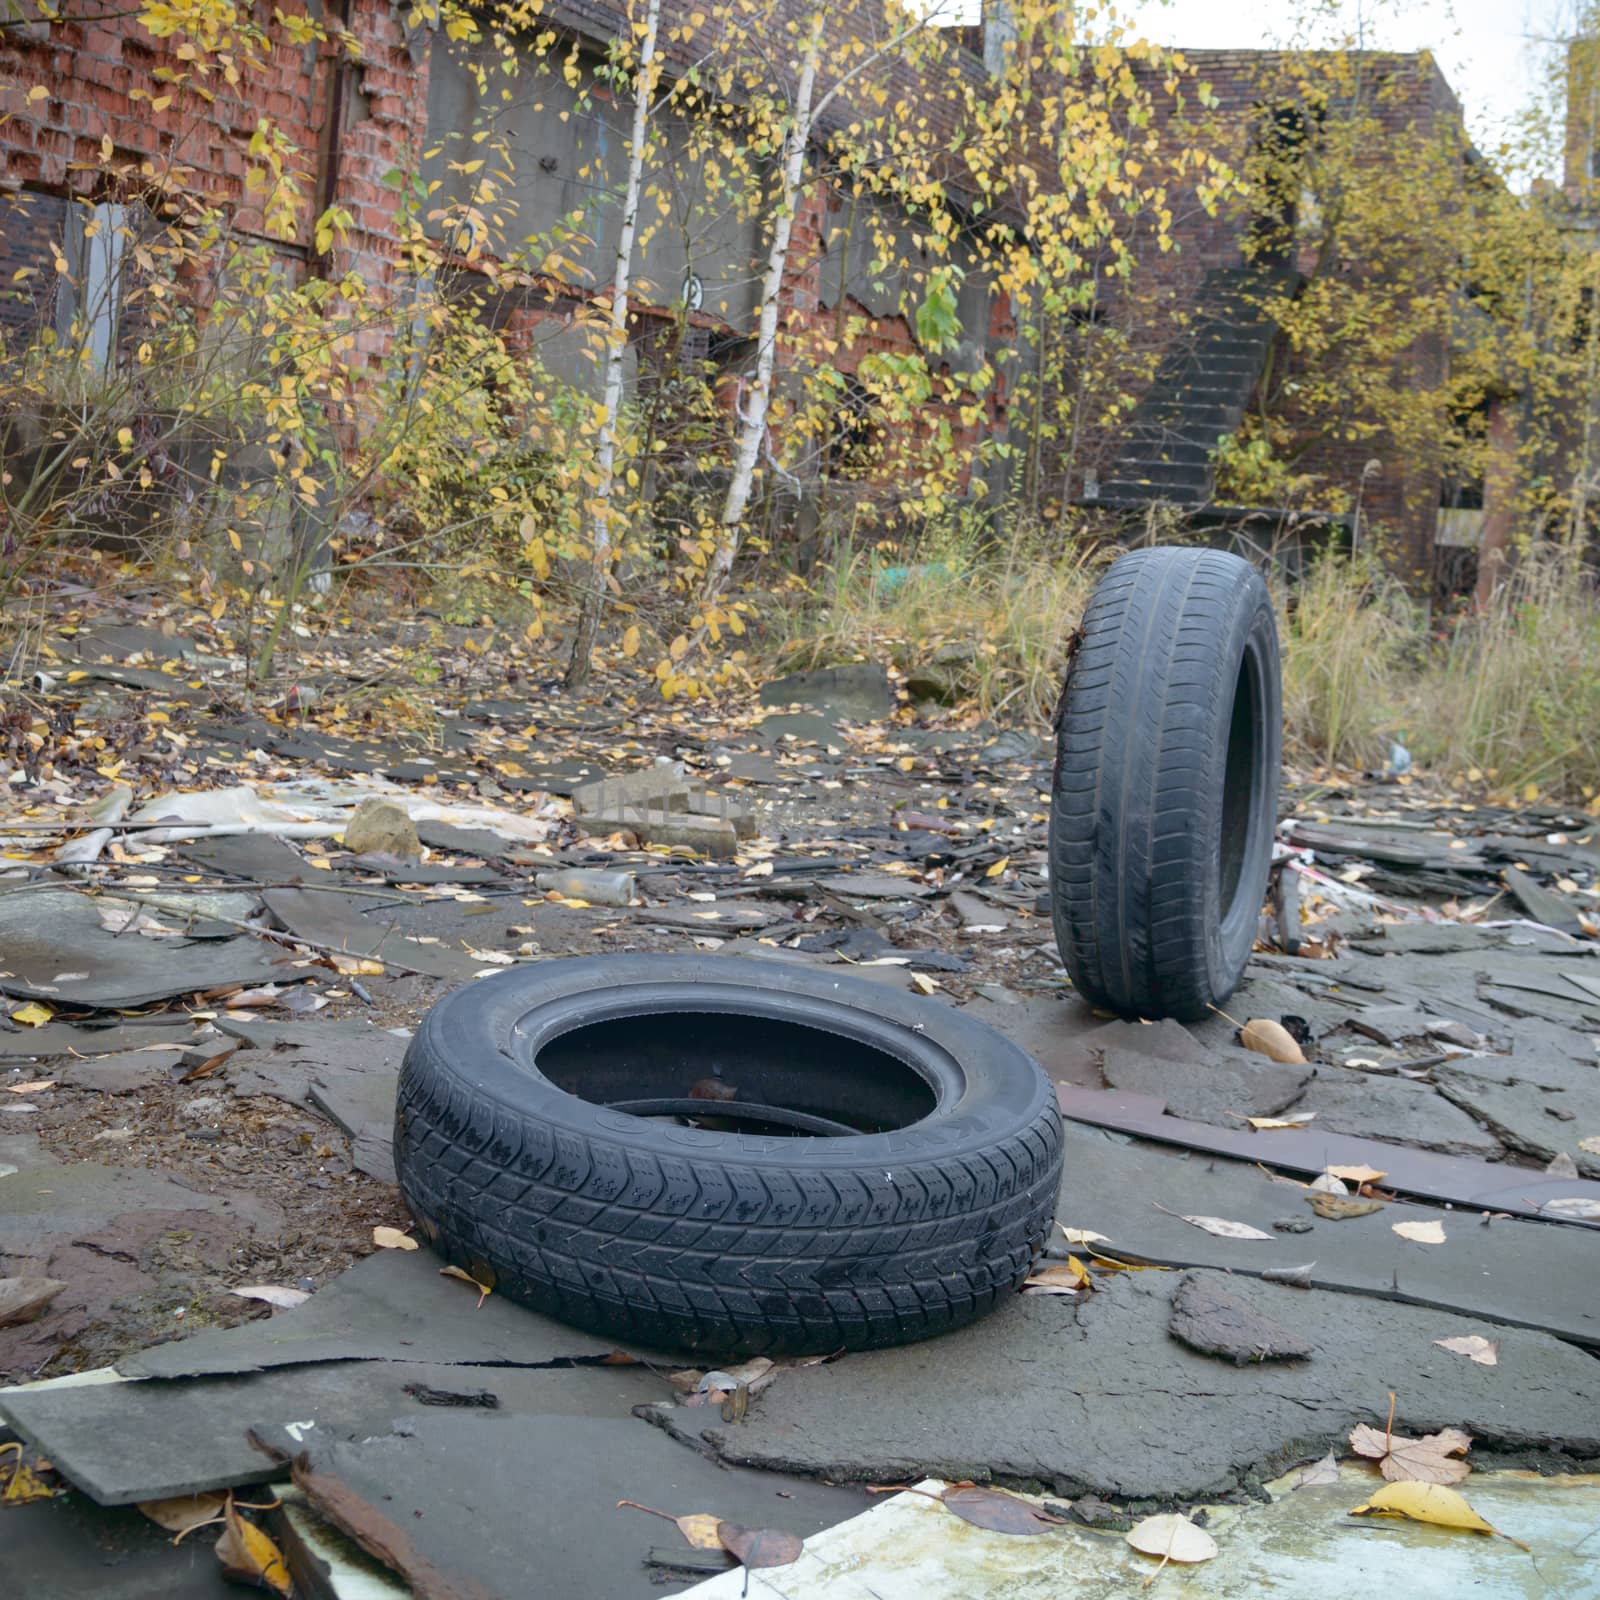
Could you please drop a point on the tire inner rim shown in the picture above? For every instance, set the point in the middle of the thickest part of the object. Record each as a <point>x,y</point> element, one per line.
<point>751,1066</point>
<point>1236,839</point>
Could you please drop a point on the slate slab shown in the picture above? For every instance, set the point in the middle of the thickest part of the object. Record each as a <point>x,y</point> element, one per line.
<point>803,727</point>
<point>1095,1394</point>
<point>255,857</point>
<point>1452,1180</point>
<point>55,949</point>
<point>1525,1274</point>
<point>329,918</point>
<point>1538,1120</point>
<point>124,1442</point>
<point>71,1039</point>
<point>482,1499</point>
<point>130,1073</point>
<point>1208,1088</point>
<point>391,1306</point>
<point>861,692</point>
<point>1395,1110</point>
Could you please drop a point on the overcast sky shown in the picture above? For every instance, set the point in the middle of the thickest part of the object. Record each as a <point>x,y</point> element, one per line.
<point>1494,52</point>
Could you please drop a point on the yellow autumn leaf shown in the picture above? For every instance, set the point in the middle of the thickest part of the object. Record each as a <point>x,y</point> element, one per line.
<point>1434,1503</point>
<point>218,607</point>
<point>32,1015</point>
<point>393,1239</point>
<point>249,1556</point>
<point>484,1289</point>
<point>999,867</point>
<point>630,641</point>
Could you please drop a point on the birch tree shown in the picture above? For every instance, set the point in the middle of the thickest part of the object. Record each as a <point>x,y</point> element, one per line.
<point>601,506</point>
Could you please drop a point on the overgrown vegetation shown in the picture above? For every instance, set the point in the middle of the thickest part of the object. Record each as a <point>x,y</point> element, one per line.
<point>262,402</point>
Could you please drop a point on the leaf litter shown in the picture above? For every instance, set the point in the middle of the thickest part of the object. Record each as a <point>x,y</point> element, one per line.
<point>1434,1458</point>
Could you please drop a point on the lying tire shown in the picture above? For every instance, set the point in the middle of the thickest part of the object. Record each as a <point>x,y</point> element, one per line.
<point>1166,783</point>
<point>887,1172</point>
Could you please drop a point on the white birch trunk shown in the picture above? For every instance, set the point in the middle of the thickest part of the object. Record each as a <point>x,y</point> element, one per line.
<point>752,418</point>
<point>604,546</point>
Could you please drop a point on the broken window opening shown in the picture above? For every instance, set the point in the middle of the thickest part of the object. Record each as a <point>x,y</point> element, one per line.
<point>90,304</point>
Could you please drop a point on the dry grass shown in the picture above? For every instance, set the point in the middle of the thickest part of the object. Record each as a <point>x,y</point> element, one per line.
<point>993,623</point>
<point>1514,693</point>
<point>1511,696</point>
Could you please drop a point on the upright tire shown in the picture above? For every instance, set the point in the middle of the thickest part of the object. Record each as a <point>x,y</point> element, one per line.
<point>1168,742</point>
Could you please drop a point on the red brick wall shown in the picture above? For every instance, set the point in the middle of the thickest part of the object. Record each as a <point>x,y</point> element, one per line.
<point>104,87</point>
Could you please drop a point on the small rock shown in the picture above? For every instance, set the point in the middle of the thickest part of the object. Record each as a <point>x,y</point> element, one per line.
<point>382,827</point>
<point>1093,1512</point>
<point>22,1299</point>
<point>1292,1225</point>
<point>1210,1319</point>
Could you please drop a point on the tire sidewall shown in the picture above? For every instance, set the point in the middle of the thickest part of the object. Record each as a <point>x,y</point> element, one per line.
<point>478,1036</point>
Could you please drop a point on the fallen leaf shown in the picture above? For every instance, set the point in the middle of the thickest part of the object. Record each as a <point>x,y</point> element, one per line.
<point>1579,1209</point>
<point>1220,1226</point>
<point>996,1510</point>
<point>1262,1124</point>
<point>484,1289</point>
<point>273,1294</point>
<point>393,1239</point>
<point>1340,1208</point>
<point>1429,1502</point>
<point>1296,1277</point>
<point>698,1527</point>
<point>185,1511</point>
<point>1430,1459</point>
<point>1356,1175</point>
<point>1270,1039</point>
<point>1172,1537</point>
<point>1061,1279</point>
<point>249,1556</point>
<point>1082,1236</point>
<point>1486,1352</point>
<point>926,984</point>
<point>1420,1232</point>
<point>999,867</point>
<point>32,1015</point>
<point>759,1547</point>
<point>1591,1145</point>
<point>22,1483</point>
<point>1319,1472</point>
<point>29,1088</point>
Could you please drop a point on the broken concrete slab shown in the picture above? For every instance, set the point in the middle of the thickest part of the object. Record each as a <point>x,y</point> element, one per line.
<point>454,1487</point>
<point>1395,1110</point>
<point>708,836</point>
<point>133,1072</point>
<point>57,950</point>
<point>326,918</point>
<point>1209,1088</point>
<point>859,693</point>
<point>656,788</point>
<point>391,1306</point>
<point>1208,1316</point>
<point>1524,1274</point>
<point>1095,1394</point>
